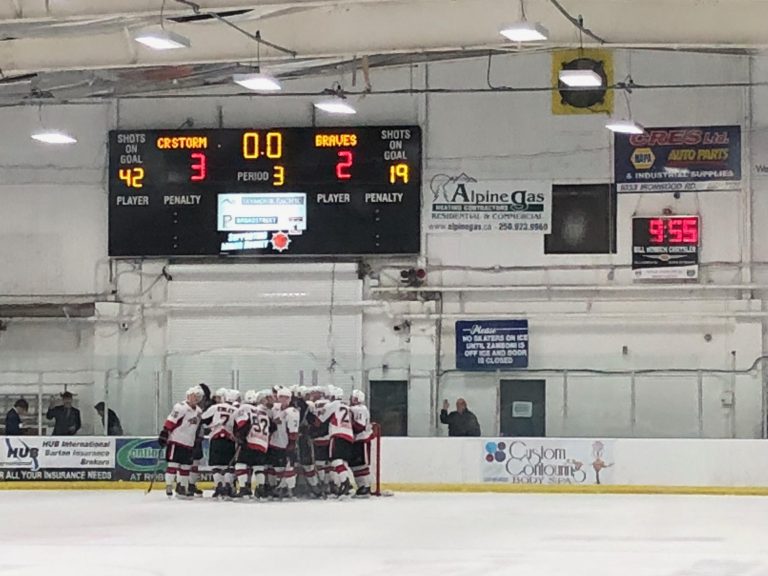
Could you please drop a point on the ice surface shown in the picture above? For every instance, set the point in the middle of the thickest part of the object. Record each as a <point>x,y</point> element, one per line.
<point>129,534</point>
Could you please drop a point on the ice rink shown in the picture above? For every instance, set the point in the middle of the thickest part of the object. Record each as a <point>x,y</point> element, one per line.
<point>129,534</point>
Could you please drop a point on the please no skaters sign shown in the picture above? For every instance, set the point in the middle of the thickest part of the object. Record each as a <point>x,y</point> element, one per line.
<point>491,344</point>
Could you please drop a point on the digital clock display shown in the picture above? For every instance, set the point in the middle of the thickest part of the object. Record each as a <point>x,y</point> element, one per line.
<point>665,247</point>
<point>274,191</point>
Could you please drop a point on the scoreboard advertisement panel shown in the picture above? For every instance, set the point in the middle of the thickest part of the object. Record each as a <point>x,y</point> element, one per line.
<point>665,248</point>
<point>265,192</point>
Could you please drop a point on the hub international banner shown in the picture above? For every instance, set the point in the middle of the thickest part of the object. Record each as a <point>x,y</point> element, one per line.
<point>56,458</point>
<point>547,461</point>
<point>684,159</point>
<point>464,203</point>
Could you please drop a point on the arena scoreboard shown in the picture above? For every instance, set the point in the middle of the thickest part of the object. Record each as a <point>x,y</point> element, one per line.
<point>265,192</point>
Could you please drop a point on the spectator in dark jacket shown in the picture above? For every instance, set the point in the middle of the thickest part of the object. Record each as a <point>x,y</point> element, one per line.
<point>114,428</point>
<point>13,424</point>
<point>462,422</point>
<point>67,417</point>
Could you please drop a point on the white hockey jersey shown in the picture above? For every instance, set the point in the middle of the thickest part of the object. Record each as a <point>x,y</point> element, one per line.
<point>182,424</point>
<point>361,422</point>
<point>222,421</point>
<point>258,421</point>
<point>339,419</point>
<point>287,421</point>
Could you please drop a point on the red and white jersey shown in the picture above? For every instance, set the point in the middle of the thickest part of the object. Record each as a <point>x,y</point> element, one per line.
<point>257,420</point>
<point>287,421</point>
<point>361,422</point>
<point>182,424</point>
<point>339,419</point>
<point>222,420</point>
<point>320,434</point>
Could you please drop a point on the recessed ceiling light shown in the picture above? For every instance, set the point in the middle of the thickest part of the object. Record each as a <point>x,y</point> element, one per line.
<point>335,106</point>
<point>580,78</point>
<point>624,126</point>
<point>162,39</point>
<point>53,137</point>
<point>257,82</point>
<point>525,31</point>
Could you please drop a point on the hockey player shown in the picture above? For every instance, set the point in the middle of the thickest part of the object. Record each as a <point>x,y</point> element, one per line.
<point>320,436</point>
<point>306,459</point>
<point>197,456</point>
<point>178,438</point>
<point>282,443</point>
<point>219,418</point>
<point>361,449</point>
<point>252,424</point>
<point>336,412</point>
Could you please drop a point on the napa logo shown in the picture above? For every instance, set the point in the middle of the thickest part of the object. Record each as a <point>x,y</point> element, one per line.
<point>140,455</point>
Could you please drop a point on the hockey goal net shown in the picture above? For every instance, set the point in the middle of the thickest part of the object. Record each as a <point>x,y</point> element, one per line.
<point>375,461</point>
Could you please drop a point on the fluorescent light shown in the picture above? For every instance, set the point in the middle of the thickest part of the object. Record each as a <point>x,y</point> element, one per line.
<point>335,106</point>
<point>525,31</point>
<point>580,78</point>
<point>53,137</point>
<point>162,40</point>
<point>624,126</point>
<point>257,82</point>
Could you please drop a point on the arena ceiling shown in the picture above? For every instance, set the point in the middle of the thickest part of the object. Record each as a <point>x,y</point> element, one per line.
<point>80,48</point>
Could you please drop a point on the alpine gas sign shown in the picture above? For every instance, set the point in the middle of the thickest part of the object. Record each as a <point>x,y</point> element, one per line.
<point>463,203</point>
<point>682,159</point>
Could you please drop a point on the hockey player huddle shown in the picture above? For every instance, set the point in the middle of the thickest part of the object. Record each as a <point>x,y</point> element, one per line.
<point>261,443</point>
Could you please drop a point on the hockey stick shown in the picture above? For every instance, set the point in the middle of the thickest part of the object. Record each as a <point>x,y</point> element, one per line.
<point>158,463</point>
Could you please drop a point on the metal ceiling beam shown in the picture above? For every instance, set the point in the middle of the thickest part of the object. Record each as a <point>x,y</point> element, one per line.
<point>18,11</point>
<point>345,29</point>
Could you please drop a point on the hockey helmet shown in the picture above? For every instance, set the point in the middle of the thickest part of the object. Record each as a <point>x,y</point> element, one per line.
<point>357,397</point>
<point>232,396</point>
<point>252,397</point>
<point>221,394</point>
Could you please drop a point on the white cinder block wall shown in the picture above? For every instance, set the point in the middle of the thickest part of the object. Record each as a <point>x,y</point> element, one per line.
<point>53,229</point>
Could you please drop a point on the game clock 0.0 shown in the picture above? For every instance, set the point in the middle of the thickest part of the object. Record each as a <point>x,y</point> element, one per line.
<point>274,191</point>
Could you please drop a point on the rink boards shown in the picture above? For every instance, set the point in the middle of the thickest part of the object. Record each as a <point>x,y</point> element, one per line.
<point>570,465</point>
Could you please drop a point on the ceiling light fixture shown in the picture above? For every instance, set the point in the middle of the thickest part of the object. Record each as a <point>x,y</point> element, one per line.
<point>337,105</point>
<point>162,39</point>
<point>580,78</point>
<point>257,82</point>
<point>54,137</point>
<point>524,31</point>
<point>622,126</point>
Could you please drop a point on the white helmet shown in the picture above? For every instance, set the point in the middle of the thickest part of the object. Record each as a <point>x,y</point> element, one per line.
<point>294,389</point>
<point>337,393</point>
<point>357,397</point>
<point>196,391</point>
<point>302,391</point>
<point>233,396</point>
<point>264,394</point>
<point>251,397</point>
<point>221,393</point>
<point>284,393</point>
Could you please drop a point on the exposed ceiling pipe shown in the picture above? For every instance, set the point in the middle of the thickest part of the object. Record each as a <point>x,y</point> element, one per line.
<point>573,288</point>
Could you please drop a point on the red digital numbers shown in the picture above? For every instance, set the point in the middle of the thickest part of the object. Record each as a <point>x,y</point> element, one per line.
<point>656,230</point>
<point>199,168</point>
<point>673,230</point>
<point>346,158</point>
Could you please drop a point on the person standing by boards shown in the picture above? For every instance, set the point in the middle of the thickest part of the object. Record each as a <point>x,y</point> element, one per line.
<point>66,417</point>
<point>461,422</point>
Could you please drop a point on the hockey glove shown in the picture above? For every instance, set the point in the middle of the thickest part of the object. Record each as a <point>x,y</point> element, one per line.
<point>163,438</point>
